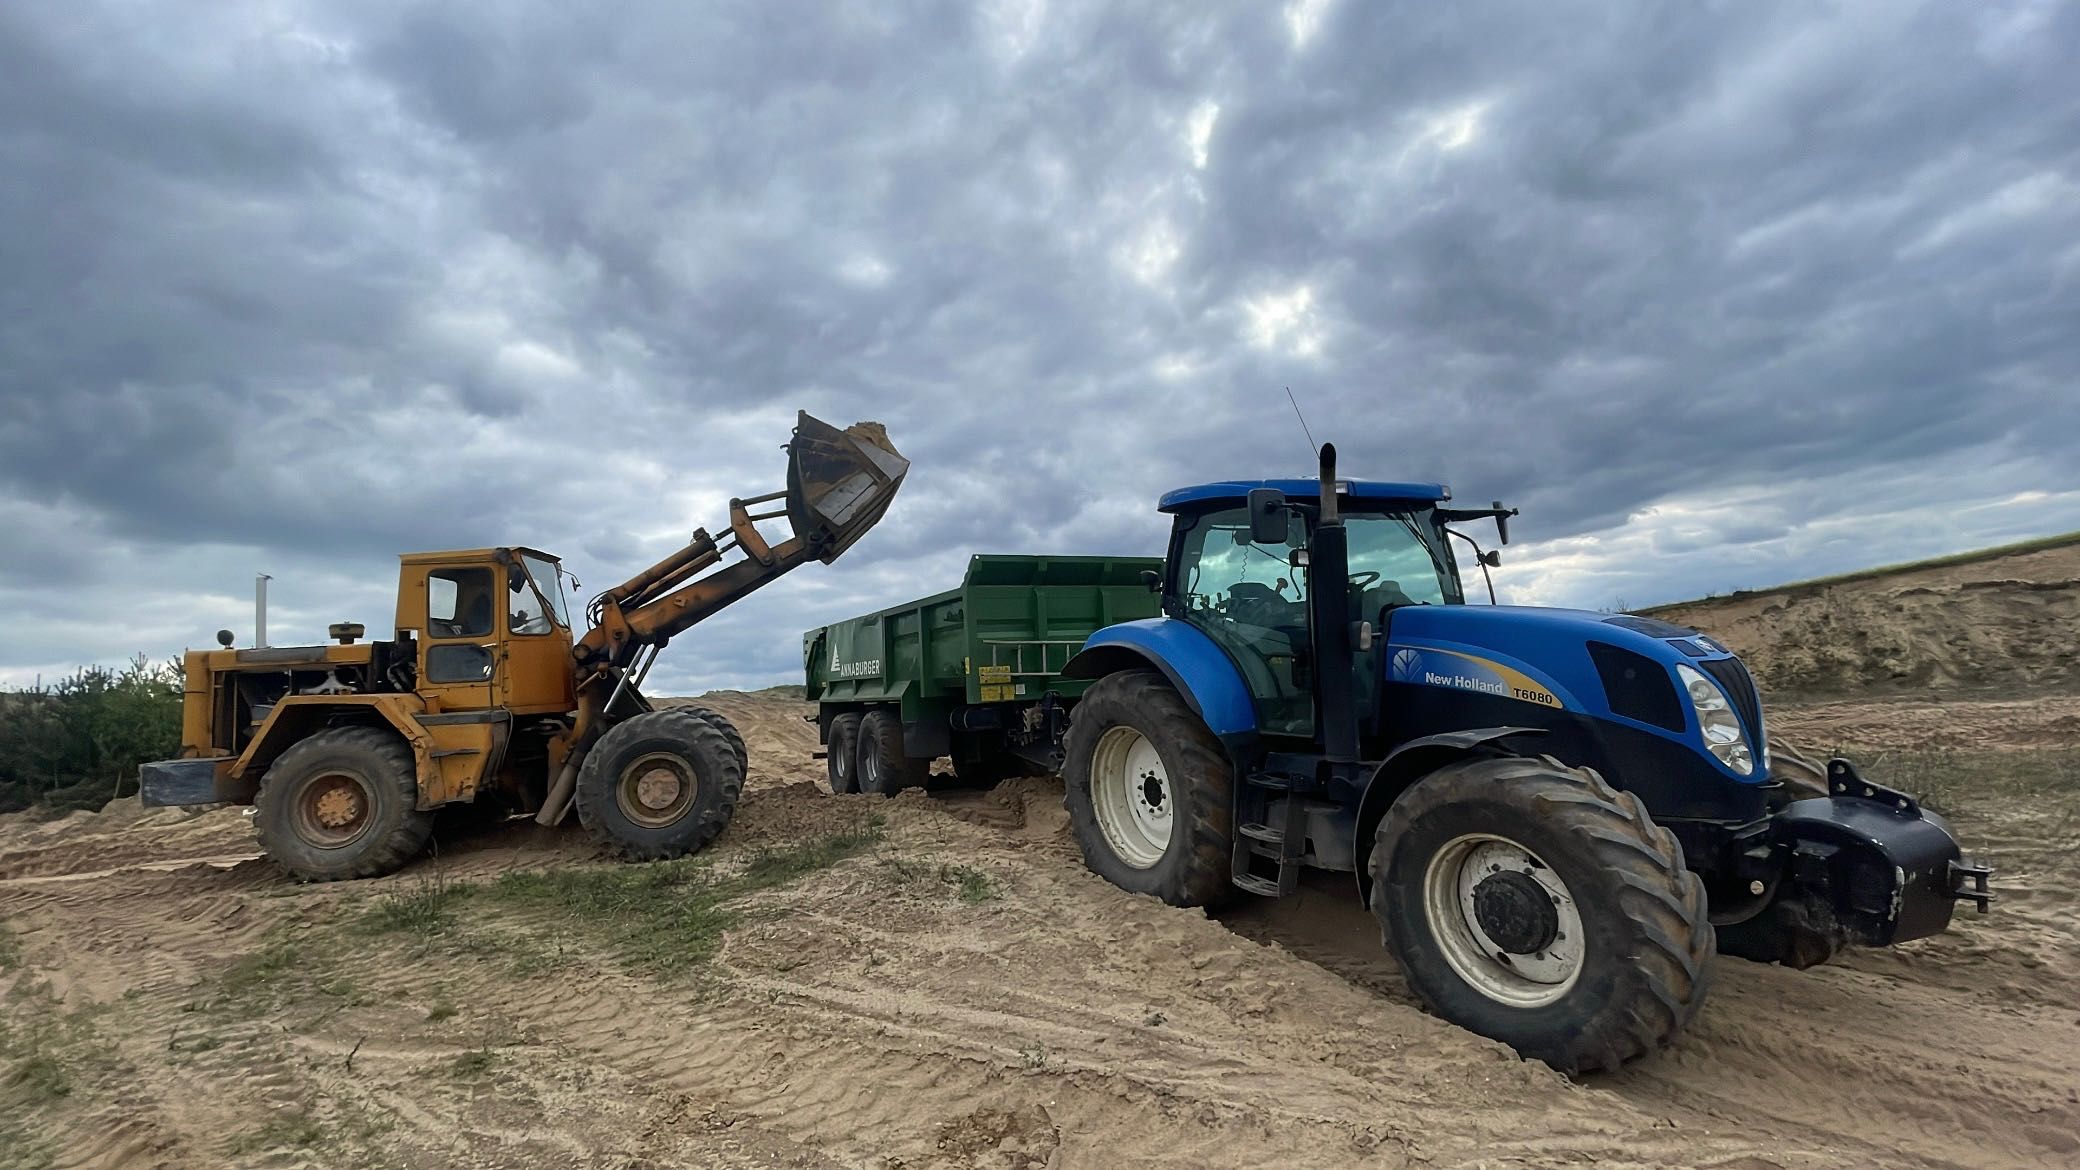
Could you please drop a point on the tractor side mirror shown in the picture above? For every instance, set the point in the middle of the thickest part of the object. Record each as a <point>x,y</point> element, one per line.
<point>1153,580</point>
<point>1502,516</point>
<point>1267,516</point>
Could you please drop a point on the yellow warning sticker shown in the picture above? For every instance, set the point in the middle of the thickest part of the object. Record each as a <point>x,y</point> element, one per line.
<point>993,674</point>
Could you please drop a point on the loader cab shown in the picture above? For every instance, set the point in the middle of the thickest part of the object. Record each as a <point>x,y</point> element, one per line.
<point>492,627</point>
<point>1251,591</point>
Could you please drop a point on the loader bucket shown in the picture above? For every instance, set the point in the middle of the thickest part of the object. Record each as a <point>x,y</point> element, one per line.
<point>839,482</point>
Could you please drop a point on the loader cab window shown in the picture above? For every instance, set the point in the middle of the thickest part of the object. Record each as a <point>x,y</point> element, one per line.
<point>458,603</point>
<point>548,586</point>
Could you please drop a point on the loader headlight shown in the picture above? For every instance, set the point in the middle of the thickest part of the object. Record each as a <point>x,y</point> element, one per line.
<point>1720,727</point>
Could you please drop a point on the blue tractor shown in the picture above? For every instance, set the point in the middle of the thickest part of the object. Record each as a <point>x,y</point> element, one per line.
<point>1559,818</point>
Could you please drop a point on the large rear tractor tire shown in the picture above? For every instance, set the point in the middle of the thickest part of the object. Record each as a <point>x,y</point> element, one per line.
<point>658,785</point>
<point>884,769</point>
<point>1535,904</point>
<point>343,804</point>
<point>1149,791</point>
<point>841,754</point>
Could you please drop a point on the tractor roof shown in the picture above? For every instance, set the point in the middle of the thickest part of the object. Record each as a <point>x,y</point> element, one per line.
<point>1355,492</point>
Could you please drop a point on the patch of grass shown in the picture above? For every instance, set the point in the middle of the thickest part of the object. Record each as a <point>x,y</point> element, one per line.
<point>441,1010</point>
<point>278,958</point>
<point>473,1065</point>
<point>969,884</point>
<point>425,910</point>
<point>10,949</point>
<point>38,1079</point>
<point>1953,781</point>
<point>298,1132</point>
<point>670,916</point>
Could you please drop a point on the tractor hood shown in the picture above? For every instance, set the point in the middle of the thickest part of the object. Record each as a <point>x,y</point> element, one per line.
<point>1605,666</point>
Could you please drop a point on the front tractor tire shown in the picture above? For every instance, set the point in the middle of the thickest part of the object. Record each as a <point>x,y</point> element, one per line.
<point>659,785</point>
<point>1535,904</point>
<point>1149,791</point>
<point>343,803</point>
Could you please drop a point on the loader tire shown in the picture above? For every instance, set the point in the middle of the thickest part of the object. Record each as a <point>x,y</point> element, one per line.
<point>841,754</point>
<point>658,785</point>
<point>1149,791</point>
<point>721,723</point>
<point>1535,904</point>
<point>883,768</point>
<point>343,803</point>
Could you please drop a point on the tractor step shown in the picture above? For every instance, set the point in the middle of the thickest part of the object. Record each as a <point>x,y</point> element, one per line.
<point>1265,887</point>
<point>1264,833</point>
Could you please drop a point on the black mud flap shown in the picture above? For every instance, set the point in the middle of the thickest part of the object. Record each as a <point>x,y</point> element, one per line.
<point>168,783</point>
<point>1875,861</point>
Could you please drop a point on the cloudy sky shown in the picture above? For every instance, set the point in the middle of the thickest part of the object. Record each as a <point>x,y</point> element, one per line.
<point>1720,294</point>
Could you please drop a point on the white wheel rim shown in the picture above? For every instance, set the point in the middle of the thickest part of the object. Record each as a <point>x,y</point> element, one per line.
<point>870,773</point>
<point>1130,794</point>
<point>1520,974</point>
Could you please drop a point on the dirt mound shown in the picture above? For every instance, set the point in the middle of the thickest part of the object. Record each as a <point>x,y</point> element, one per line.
<point>2005,622</point>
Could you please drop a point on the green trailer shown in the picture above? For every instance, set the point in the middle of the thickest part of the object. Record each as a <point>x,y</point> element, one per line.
<point>973,674</point>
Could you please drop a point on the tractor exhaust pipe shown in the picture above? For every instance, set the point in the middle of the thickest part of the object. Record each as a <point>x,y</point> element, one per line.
<point>1328,572</point>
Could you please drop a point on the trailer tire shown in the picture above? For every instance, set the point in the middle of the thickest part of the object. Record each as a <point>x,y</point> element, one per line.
<point>342,803</point>
<point>841,754</point>
<point>658,785</point>
<point>884,769</point>
<point>721,723</point>
<point>1529,849</point>
<point>1132,722</point>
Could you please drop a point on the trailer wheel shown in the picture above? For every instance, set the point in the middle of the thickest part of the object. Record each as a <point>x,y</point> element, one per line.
<point>659,784</point>
<point>1537,905</point>
<point>884,769</point>
<point>721,723</point>
<point>343,803</point>
<point>1149,791</point>
<point>841,754</point>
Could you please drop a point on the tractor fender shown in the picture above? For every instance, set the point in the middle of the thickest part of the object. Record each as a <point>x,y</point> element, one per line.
<point>1200,670</point>
<point>296,716</point>
<point>1402,768</point>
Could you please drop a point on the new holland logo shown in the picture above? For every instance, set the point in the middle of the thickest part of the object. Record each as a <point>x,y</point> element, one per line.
<point>1407,665</point>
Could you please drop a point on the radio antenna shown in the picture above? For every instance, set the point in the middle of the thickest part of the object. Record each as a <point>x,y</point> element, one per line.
<point>1313,448</point>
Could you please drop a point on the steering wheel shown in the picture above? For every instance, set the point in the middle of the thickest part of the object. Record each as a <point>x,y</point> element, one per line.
<point>538,624</point>
<point>1362,580</point>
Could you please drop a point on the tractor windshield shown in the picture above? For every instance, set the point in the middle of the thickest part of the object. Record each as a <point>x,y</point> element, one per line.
<point>1399,558</point>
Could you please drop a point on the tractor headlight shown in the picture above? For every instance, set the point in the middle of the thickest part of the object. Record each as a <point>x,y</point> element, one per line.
<point>1720,727</point>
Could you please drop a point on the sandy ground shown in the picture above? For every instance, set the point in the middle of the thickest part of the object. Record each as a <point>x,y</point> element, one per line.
<point>870,1016</point>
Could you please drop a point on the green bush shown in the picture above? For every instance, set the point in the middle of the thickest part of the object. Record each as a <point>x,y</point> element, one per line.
<point>76,743</point>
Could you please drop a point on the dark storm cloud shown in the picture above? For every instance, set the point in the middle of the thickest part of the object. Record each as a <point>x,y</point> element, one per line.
<point>1715,291</point>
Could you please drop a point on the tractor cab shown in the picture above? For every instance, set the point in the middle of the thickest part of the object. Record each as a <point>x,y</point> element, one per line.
<point>1239,572</point>
<point>491,628</point>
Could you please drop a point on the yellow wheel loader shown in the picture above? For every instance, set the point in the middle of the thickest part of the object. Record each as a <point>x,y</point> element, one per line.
<point>487,697</point>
